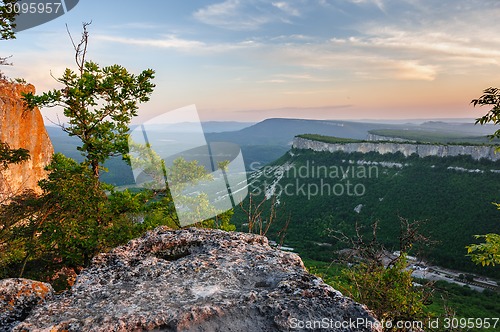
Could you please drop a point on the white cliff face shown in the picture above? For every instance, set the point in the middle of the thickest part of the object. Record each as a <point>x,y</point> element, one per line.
<point>407,149</point>
<point>374,137</point>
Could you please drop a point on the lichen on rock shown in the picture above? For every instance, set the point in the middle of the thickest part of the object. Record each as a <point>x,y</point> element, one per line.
<point>18,297</point>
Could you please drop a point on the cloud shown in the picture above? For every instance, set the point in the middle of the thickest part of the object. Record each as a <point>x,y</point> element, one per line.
<point>413,70</point>
<point>379,3</point>
<point>414,47</point>
<point>287,8</point>
<point>427,43</point>
<point>421,46</point>
<point>397,70</point>
<point>305,77</point>
<point>184,45</point>
<point>273,81</point>
<point>231,15</point>
<point>246,15</point>
<point>137,26</point>
<point>418,43</point>
<point>169,41</point>
<point>298,110</point>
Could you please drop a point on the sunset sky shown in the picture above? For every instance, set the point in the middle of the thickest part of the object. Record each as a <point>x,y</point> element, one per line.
<point>248,60</point>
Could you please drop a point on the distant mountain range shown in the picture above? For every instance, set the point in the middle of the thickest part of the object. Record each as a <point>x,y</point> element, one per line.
<point>264,142</point>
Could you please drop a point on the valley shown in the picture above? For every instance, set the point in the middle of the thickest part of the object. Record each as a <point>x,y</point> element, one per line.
<point>324,191</point>
<point>333,180</point>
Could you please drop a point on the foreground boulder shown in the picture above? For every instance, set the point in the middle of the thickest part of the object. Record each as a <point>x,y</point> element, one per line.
<point>18,297</point>
<point>198,280</point>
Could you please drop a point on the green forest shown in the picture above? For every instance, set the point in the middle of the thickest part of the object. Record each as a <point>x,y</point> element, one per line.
<point>454,204</point>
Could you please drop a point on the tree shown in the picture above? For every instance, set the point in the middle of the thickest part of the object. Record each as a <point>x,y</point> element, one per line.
<point>488,253</point>
<point>70,222</point>
<point>491,96</point>
<point>11,156</point>
<point>77,216</point>
<point>7,19</point>
<point>99,102</point>
<point>7,25</point>
<point>383,282</point>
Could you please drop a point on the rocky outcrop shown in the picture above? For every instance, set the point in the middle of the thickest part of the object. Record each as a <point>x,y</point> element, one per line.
<point>198,280</point>
<point>375,137</point>
<point>422,150</point>
<point>22,128</point>
<point>18,297</point>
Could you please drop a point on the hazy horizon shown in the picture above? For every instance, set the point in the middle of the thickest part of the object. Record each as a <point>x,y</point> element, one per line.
<point>388,121</point>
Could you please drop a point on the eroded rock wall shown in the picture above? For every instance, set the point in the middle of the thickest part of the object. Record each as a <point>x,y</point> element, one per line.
<point>22,128</point>
<point>422,150</point>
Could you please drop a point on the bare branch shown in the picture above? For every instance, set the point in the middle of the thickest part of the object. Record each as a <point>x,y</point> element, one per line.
<point>81,48</point>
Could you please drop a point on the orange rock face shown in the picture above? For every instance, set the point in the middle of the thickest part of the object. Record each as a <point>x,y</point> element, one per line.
<point>22,128</point>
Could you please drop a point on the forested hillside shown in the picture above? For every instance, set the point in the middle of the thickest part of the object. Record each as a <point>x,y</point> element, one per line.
<point>323,191</point>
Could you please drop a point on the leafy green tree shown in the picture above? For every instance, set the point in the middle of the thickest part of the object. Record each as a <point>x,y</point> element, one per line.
<point>488,253</point>
<point>388,291</point>
<point>7,25</point>
<point>11,156</point>
<point>99,103</point>
<point>72,220</point>
<point>381,282</point>
<point>77,216</point>
<point>12,245</point>
<point>490,97</point>
<point>223,221</point>
<point>7,19</point>
<point>79,231</point>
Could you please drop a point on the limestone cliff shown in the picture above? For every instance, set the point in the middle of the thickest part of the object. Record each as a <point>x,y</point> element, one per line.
<point>422,150</point>
<point>374,137</point>
<point>22,128</point>
<point>198,280</point>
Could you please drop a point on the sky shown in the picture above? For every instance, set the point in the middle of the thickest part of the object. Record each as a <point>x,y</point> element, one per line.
<point>248,60</point>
